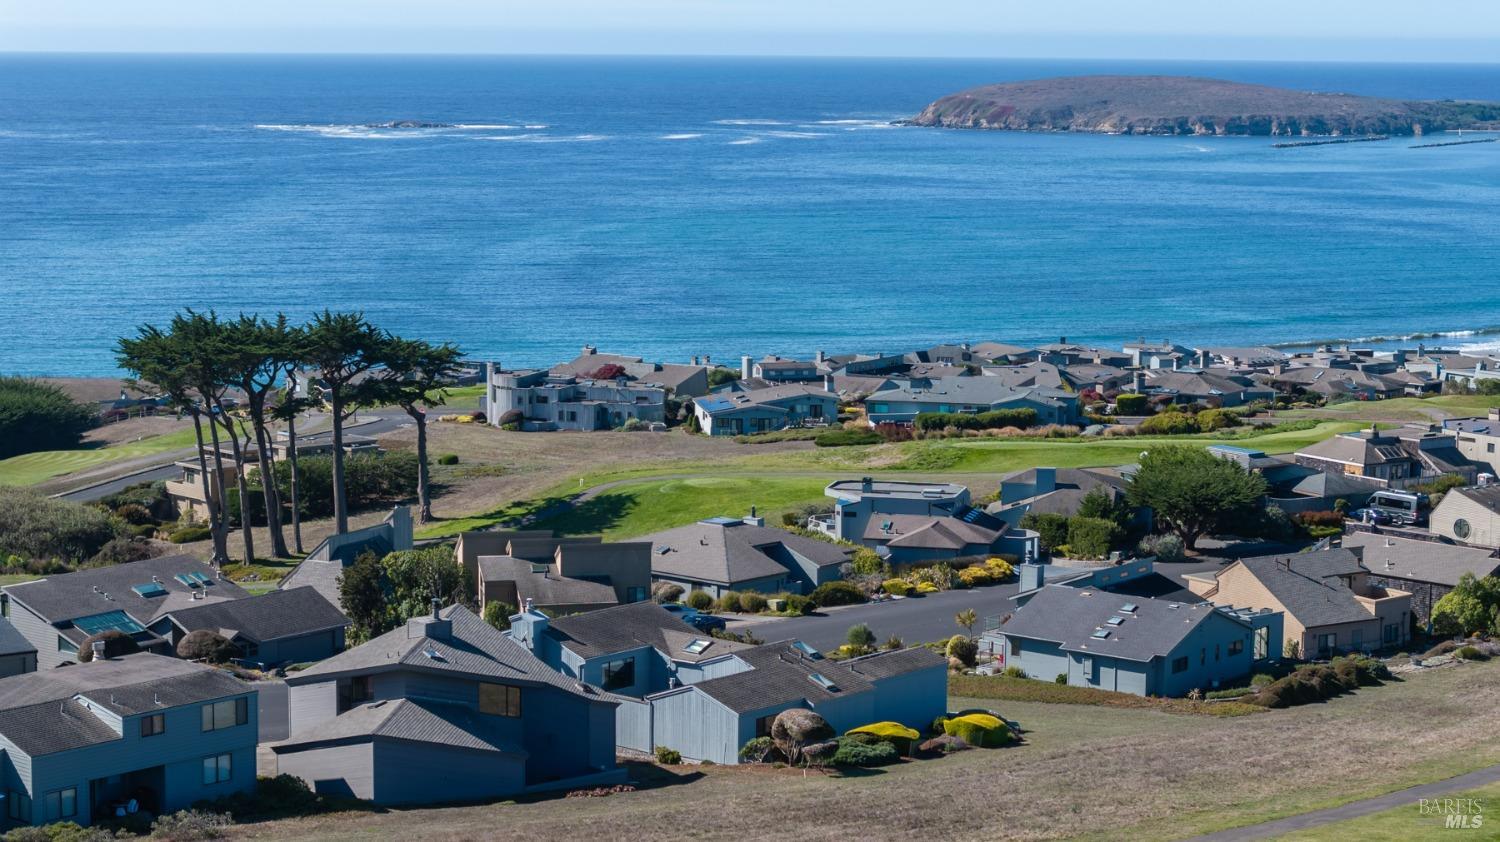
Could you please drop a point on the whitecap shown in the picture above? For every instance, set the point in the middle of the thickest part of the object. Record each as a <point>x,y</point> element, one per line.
<point>683,136</point>
<point>796,135</point>
<point>535,126</point>
<point>752,122</point>
<point>483,126</point>
<point>744,141</point>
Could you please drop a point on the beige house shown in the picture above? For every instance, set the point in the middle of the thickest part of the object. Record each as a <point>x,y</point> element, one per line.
<point>561,575</point>
<point>1327,598</point>
<point>1469,516</point>
<point>1479,439</point>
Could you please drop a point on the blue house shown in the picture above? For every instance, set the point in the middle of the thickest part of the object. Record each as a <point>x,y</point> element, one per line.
<point>706,697</point>
<point>733,413</point>
<point>1130,644</point>
<point>903,402</point>
<point>445,708</point>
<point>143,731</point>
<point>742,554</point>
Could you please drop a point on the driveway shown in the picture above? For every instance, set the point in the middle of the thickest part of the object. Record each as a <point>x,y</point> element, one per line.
<point>928,618</point>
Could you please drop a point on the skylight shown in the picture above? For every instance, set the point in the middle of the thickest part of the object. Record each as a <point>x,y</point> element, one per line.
<point>1129,608</point>
<point>203,579</point>
<point>1115,621</point>
<point>823,681</point>
<point>110,620</point>
<point>697,645</point>
<point>186,580</point>
<point>1100,634</point>
<point>149,589</point>
<point>806,650</point>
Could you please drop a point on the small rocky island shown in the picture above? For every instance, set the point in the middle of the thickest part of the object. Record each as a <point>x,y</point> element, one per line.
<point>1182,105</point>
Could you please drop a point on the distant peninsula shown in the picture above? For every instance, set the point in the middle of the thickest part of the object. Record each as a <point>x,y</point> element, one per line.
<point>1183,105</point>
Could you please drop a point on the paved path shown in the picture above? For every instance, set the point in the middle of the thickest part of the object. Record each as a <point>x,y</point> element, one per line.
<point>1401,798</point>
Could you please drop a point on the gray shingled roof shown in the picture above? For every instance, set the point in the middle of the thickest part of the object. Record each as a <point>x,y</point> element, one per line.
<point>780,674</point>
<point>619,629</point>
<point>72,595</point>
<point>544,588</point>
<point>1307,584</point>
<point>886,664</point>
<point>39,713</point>
<point>1069,616</point>
<point>410,721</point>
<point>474,648</point>
<point>927,532</point>
<point>272,616</point>
<point>735,552</point>
<point>1421,561</point>
<point>969,390</point>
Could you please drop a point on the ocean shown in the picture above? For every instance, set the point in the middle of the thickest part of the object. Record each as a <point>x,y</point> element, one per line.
<point>679,207</point>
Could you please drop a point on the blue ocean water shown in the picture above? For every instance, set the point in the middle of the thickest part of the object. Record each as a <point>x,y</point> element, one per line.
<point>678,207</point>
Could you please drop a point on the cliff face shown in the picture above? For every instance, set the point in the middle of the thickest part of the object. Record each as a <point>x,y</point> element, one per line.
<point>1176,105</point>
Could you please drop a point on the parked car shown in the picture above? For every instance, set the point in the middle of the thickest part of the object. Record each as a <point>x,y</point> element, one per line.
<point>706,622</point>
<point>681,610</point>
<point>1375,516</point>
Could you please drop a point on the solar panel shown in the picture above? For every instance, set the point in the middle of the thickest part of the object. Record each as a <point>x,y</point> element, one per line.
<point>149,589</point>
<point>109,620</point>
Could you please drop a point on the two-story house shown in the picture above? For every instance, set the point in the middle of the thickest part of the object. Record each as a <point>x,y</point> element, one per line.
<point>914,521</point>
<point>445,708</point>
<point>732,413</point>
<point>548,402</point>
<point>903,402</point>
<point>742,554</point>
<point>120,735</point>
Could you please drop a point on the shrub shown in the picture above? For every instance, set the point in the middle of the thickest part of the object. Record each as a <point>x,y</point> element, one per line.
<point>667,756</point>
<point>859,636</point>
<point>205,645</point>
<point>758,750</point>
<point>37,527</point>
<point>847,438</point>
<point>993,420</point>
<point>730,601</point>
<point>896,587</point>
<point>122,549</point>
<point>798,604</point>
<point>894,733</point>
<point>937,724</point>
<point>1062,678</point>
<point>665,592</point>
<point>191,825</point>
<point>190,534</point>
<point>1090,537</point>
<point>1052,527</point>
<point>853,752</point>
<point>796,728</point>
<point>964,649</point>
<point>866,562</point>
<point>134,514</point>
<point>633,425</point>
<point>1169,423</point>
<point>1014,672</point>
<point>116,643</point>
<point>498,614</point>
<point>1166,548</point>
<point>39,416</point>
<point>974,577</point>
<point>699,600</point>
<point>752,603</point>
<point>369,480</point>
<point>1210,420</point>
<point>836,593</point>
<point>978,729</point>
<point>448,459</point>
<point>1000,569</point>
<point>1130,404</point>
<point>925,588</point>
<point>1470,653</point>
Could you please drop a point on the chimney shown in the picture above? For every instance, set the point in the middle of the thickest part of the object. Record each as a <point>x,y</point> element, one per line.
<point>706,360</point>
<point>1137,382</point>
<point>433,626</point>
<point>745,367</point>
<point>828,384</point>
<point>1046,481</point>
<point>1032,577</point>
<point>866,484</point>
<point>98,651</point>
<point>590,350</point>
<point>1495,413</point>
<point>753,520</point>
<point>695,359</point>
<point>436,605</point>
<point>821,357</point>
<point>1062,340</point>
<point>528,627</point>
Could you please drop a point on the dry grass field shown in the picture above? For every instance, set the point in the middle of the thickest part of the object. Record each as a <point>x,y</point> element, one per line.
<point>1084,771</point>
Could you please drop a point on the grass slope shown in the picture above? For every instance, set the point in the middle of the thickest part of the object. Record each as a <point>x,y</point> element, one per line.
<point>642,508</point>
<point>1405,823</point>
<point>32,468</point>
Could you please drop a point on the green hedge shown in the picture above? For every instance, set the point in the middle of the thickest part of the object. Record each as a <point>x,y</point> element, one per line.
<point>847,438</point>
<point>992,420</point>
<point>836,593</point>
<point>979,729</point>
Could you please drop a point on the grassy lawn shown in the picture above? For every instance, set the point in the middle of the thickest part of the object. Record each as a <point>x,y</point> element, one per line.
<point>1403,409</point>
<point>1083,771</point>
<point>32,468</point>
<point>261,577</point>
<point>1407,822</point>
<point>642,508</point>
<point>1004,689</point>
<point>16,578</point>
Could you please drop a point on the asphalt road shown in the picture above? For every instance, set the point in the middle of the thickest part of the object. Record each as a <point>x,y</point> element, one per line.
<point>929,618</point>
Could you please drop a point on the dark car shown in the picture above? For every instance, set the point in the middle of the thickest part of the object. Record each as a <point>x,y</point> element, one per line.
<point>706,622</point>
<point>1375,516</point>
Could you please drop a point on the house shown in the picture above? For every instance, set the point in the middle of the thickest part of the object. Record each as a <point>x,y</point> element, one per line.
<point>1478,439</point>
<point>706,698</point>
<point>1427,570</point>
<point>1148,647</point>
<point>322,567</point>
<point>17,654</point>
<point>565,575</point>
<point>1398,457</point>
<point>1298,488</point>
<point>191,490</point>
<point>445,708</point>
<point>914,521</point>
<point>57,613</point>
<point>1137,577</point>
<point>85,742</point>
<point>1161,354</point>
<point>1331,382</point>
<point>778,370</point>
<point>684,381</point>
<point>727,554</point>
<point>1060,491</point>
<point>1216,388</point>
<point>291,626</point>
<point>1330,604</point>
<point>1063,352</point>
<point>767,409</point>
<point>1468,516</point>
<point>1072,378</point>
<point>1254,357</point>
<point>903,402</point>
<point>548,402</point>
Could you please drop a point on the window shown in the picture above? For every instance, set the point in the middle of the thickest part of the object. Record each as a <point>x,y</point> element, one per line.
<point>249,650</point>
<point>153,724</point>
<point>619,674</point>
<point>18,806</point>
<point>62,804</point>
<point>1461,529</point>
<point>1179,665</point>
<point>1236,647</point>
<point>217,768</point>
<point>66,645</point>
<point>636,594</point>
<point>500,700</point>
<point>763,725</point>
<point>1262,643</point>
<point>354,692</point>
<point>226,714</point>
<point>1489,448</point>
<point>1326,642</point>
<point>1392,633</point>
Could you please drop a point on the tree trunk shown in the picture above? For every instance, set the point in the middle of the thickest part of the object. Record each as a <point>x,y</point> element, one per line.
<point>268,481</point>
<point>244,489</point>
<point>424,493</point>
<point>291,435</point>
<point>217,490</point>
<point>210,500</point>
<point>340,503</point>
